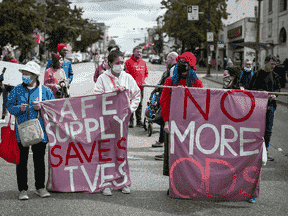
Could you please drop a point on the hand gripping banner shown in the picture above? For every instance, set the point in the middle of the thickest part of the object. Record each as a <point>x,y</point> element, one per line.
<point>216,143</point>
<point>87,142</point>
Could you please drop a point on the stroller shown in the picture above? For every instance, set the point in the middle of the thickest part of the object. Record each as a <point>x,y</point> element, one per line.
<point>152,113</point>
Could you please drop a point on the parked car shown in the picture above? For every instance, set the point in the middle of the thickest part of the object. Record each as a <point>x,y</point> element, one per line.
<point>145,55</point>
<point>78,58</point>
<point>155,58</point>
<point>71,58</point>
<point>86,57</point>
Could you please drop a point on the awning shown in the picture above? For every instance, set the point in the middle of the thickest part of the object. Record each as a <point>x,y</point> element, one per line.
<point>256,46</point>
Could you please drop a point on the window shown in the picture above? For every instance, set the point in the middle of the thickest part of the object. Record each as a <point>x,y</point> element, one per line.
<point>283,5</point>
<point>269,28</point>
<point>282,36</point>
<point>270,6</point>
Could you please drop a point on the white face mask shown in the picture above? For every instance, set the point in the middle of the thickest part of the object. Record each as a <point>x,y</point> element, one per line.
<point>118,68</point>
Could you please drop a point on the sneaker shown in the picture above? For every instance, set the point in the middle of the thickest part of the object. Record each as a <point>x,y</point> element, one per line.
<point>42,193</point>
<point>269,158</point>
<point>23,195</point>
<point>125,190</point>
<point>158,144</point>
<point>107,192</point>
<point>139,124</point>
<point>159,157</point>
<point>252,200</point>
<point>131,124</point>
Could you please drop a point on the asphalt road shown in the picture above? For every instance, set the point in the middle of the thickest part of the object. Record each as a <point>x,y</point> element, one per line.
<point>149,186</point>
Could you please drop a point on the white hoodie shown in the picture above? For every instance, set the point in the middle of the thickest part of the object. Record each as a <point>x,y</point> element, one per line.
<point>107,83</point>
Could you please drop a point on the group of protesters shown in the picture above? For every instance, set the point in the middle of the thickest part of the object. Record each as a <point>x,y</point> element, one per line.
<point>114,74</point>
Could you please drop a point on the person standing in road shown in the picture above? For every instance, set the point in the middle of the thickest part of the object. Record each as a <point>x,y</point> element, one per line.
<point>116,79</point>
<point>137,68</point>
<point>183,75</point>
<point>246,75</point>
<point>170,63</point>
<point>67,66</point>
<point>23,103</point>
<point>267,80</point>
<point>8,56</point>
<point>101,68</point>
<point>55,74</point>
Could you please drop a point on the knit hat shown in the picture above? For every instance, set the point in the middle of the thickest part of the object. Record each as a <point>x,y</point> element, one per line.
<point>190,58</point>
<point>60,46</point>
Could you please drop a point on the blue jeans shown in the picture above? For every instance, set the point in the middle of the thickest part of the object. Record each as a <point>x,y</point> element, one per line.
<point>6,92</point>
<point>269,123</point>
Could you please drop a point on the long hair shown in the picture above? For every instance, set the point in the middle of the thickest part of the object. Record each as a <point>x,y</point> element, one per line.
<point>55,59</point>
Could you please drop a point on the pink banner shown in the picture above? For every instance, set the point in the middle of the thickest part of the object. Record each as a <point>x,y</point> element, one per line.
<point>216,143</point>
<point>87,142</point>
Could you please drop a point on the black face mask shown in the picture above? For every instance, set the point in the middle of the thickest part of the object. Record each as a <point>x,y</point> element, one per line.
<point>181,68</point>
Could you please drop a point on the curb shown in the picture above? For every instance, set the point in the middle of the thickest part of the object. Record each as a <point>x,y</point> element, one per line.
<point>285,103</point>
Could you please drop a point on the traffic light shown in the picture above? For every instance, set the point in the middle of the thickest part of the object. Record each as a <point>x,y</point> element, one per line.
<point>134,41</point>
<point>107,38</point>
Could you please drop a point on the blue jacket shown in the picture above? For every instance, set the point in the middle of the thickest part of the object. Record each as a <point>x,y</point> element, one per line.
<point>19,95</point>
<point>67,66</point>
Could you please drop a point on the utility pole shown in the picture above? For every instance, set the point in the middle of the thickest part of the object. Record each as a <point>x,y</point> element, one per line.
<point>208,56</point>
<point>258,33</point>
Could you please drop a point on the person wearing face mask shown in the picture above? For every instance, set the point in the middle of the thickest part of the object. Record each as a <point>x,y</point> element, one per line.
<point>66,66</point>
<point>137,68</point>
<point>183,75</point>
<point>55,74</point>
<point>246,75</point>
<point>23,103</point>
<point>101,68</point>
<point>116,79</point>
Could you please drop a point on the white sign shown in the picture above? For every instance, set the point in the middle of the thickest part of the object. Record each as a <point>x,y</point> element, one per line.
<point>156,37</point>
<point>210,37</point>
<point>193,12</point>
<point>220,46</point>
<point>79,38</point>
<point>12,75</point>
<point>211,47</point>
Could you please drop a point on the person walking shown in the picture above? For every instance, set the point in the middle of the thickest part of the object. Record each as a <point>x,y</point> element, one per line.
<point>116,79</point>
<point>55,74</point>
<point>9,82</point>
<point>183,75</point>
<point>137,68</point>
<point>170,63</point>
<point>101,68</point>
<point>67,66</point>
<point>23,104</point>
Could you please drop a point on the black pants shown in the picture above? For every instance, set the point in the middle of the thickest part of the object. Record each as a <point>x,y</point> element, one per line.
<point>138,111</point>
<point>166,155</point>
<point>39,166</point>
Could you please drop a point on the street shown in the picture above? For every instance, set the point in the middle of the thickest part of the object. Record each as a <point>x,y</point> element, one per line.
<point>148,190</point>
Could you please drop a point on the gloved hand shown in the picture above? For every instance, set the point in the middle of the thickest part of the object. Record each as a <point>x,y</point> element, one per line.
<point>166,127</point>
<point>272,97</point>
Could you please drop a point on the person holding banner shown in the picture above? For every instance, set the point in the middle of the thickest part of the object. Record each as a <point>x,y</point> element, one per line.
<point>116,79</point>
<point>267,80</point>
<point>183,75</point>
<point>18,102</point>
<point>8,56</point>
<point>55,74</point>
<point>67,66</point>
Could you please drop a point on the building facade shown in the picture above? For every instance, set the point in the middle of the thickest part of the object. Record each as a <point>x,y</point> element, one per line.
<point>273,28</point>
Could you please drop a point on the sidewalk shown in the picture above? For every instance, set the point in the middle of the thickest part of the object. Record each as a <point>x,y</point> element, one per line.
<point>219,79</point>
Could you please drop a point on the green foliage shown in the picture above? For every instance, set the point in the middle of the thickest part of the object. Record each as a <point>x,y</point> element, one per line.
<point>19,19</point>
<point>158,44</point>
<point>193,33</point>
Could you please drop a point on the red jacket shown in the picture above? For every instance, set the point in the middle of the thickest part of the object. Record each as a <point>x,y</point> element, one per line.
<point>13,60</point>
<point>166,96</point>
<point>137,69</point>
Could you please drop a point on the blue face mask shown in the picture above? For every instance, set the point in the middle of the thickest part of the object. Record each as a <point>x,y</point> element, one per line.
<point>26,80</point>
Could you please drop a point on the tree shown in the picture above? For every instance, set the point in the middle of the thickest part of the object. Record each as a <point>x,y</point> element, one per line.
<point>158,41</point>
<point>19,19</point>
<point>192,33</point>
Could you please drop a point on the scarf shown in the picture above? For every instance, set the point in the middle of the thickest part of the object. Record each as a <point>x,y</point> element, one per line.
<point>191,78</point>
